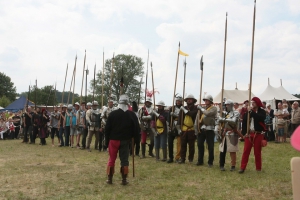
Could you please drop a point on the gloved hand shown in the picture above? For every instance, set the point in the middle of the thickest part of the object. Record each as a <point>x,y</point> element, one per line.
<point>178,129</point>
<point>183,109</point>
<point>92,123</point>
<point>221,119</point>
<point>200,108</point>
<point>155,113</point>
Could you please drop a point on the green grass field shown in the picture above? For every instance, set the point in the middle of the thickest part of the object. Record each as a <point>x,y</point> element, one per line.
<point>46,172</point>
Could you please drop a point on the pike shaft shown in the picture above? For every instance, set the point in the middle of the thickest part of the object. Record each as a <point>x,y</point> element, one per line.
<point>251,66</point>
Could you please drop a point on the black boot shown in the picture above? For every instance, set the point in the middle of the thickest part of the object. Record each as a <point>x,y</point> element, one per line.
<point>124,172</point>
<point>110,173</point>
<point>143,151</point>
<point>151,150</point>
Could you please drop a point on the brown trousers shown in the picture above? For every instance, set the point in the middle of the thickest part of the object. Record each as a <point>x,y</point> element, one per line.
<point>186,138</point>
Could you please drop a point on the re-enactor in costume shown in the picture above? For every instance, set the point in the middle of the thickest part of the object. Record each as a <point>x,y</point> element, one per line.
<point>173,118</point>
<point>121,126</point>
<point>185,128</point>
<point>205,127</point>
<point>161,130</point>
<point>145,118</point>
<point>229,124</point>
<point>104,116</point>
<point>93,119</point>
<point>256,135</point>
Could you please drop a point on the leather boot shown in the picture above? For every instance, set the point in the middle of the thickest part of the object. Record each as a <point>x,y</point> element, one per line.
<point>151,150</point>
<point>157,154</point>
<point>143,151</point>
<point>164,155</point>
<point>124,172</point>
<point>110,173</point>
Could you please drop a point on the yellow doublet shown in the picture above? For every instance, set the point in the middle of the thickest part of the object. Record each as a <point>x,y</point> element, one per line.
<point>159,126</point>
<point>188,124</point>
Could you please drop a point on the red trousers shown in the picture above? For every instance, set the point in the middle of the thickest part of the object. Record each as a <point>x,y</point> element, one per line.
<point>121,146</point>
<point>253,141</point>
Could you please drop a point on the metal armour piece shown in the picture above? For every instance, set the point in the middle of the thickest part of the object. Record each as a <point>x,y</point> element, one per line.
<point>190,96</point>
<point>209,98</point>
<point>160,103</point>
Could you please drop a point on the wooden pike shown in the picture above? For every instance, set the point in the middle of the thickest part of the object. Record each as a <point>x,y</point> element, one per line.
<point>82,77</point>
<point>171,122</point>
<point>251,65</point>
<point>223,76</point>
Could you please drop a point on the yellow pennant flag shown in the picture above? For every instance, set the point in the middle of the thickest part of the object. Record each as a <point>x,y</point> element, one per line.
<point>182,53</point>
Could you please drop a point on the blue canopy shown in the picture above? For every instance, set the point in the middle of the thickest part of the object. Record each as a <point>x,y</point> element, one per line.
<point>18,104</point>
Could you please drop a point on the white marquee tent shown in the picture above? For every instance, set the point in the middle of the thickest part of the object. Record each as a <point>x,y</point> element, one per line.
<point>236,95</point>
<point>271,94</point>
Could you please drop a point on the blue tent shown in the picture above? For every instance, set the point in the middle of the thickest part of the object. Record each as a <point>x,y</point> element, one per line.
<point>18,104</point>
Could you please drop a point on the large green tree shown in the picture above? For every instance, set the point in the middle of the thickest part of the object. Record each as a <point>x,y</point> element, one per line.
<point>127,66</point>
<point>7,87</point>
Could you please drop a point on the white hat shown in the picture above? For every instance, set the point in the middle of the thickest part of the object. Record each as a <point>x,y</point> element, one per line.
<point>124,99</point>
<point>95,103</point>
<point>160,103</point>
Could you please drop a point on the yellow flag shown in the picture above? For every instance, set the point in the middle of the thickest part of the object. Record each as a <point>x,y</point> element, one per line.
<point>182,53</point>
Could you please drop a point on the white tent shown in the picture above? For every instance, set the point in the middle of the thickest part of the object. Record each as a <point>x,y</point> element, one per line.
<point>236,95</point>
<point>278,93</point>
<point>271,94</point>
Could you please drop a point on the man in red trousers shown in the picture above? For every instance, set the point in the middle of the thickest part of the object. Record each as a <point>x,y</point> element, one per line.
<point>121,125</point>
<point>254,137</point>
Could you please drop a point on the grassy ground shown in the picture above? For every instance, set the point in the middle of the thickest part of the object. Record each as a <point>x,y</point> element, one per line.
<point>46,172</point>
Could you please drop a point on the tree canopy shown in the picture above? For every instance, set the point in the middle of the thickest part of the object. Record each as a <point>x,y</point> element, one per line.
<point>7,87</point>
<point>128,66</point>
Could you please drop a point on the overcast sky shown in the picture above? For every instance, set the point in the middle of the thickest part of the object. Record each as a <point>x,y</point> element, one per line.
<point>38,38</point>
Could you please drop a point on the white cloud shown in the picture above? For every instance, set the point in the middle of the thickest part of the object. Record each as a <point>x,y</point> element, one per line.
<point>40,37</point>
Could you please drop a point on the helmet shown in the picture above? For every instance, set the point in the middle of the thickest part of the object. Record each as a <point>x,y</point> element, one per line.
<point>190,96</point>
<point>124,99</point>
<point>95,103</point>
<point>209,98</point>
<point>160,103</point>
<point>70,107</point>
<point>228,101</point>
<point>110,99</point>
<point>89,104</point>
<point>64,106</point>
<point>77,104</point>
<point>178,98</point>
<point>149,99</point>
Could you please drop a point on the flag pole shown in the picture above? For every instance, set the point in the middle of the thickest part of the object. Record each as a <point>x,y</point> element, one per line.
<point>184,65</point>
<point>251,65</point>
<point>171,122</point>
<point>223,76</point>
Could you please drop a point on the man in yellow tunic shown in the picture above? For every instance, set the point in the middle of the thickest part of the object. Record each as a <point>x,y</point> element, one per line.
<point>186,129</point>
